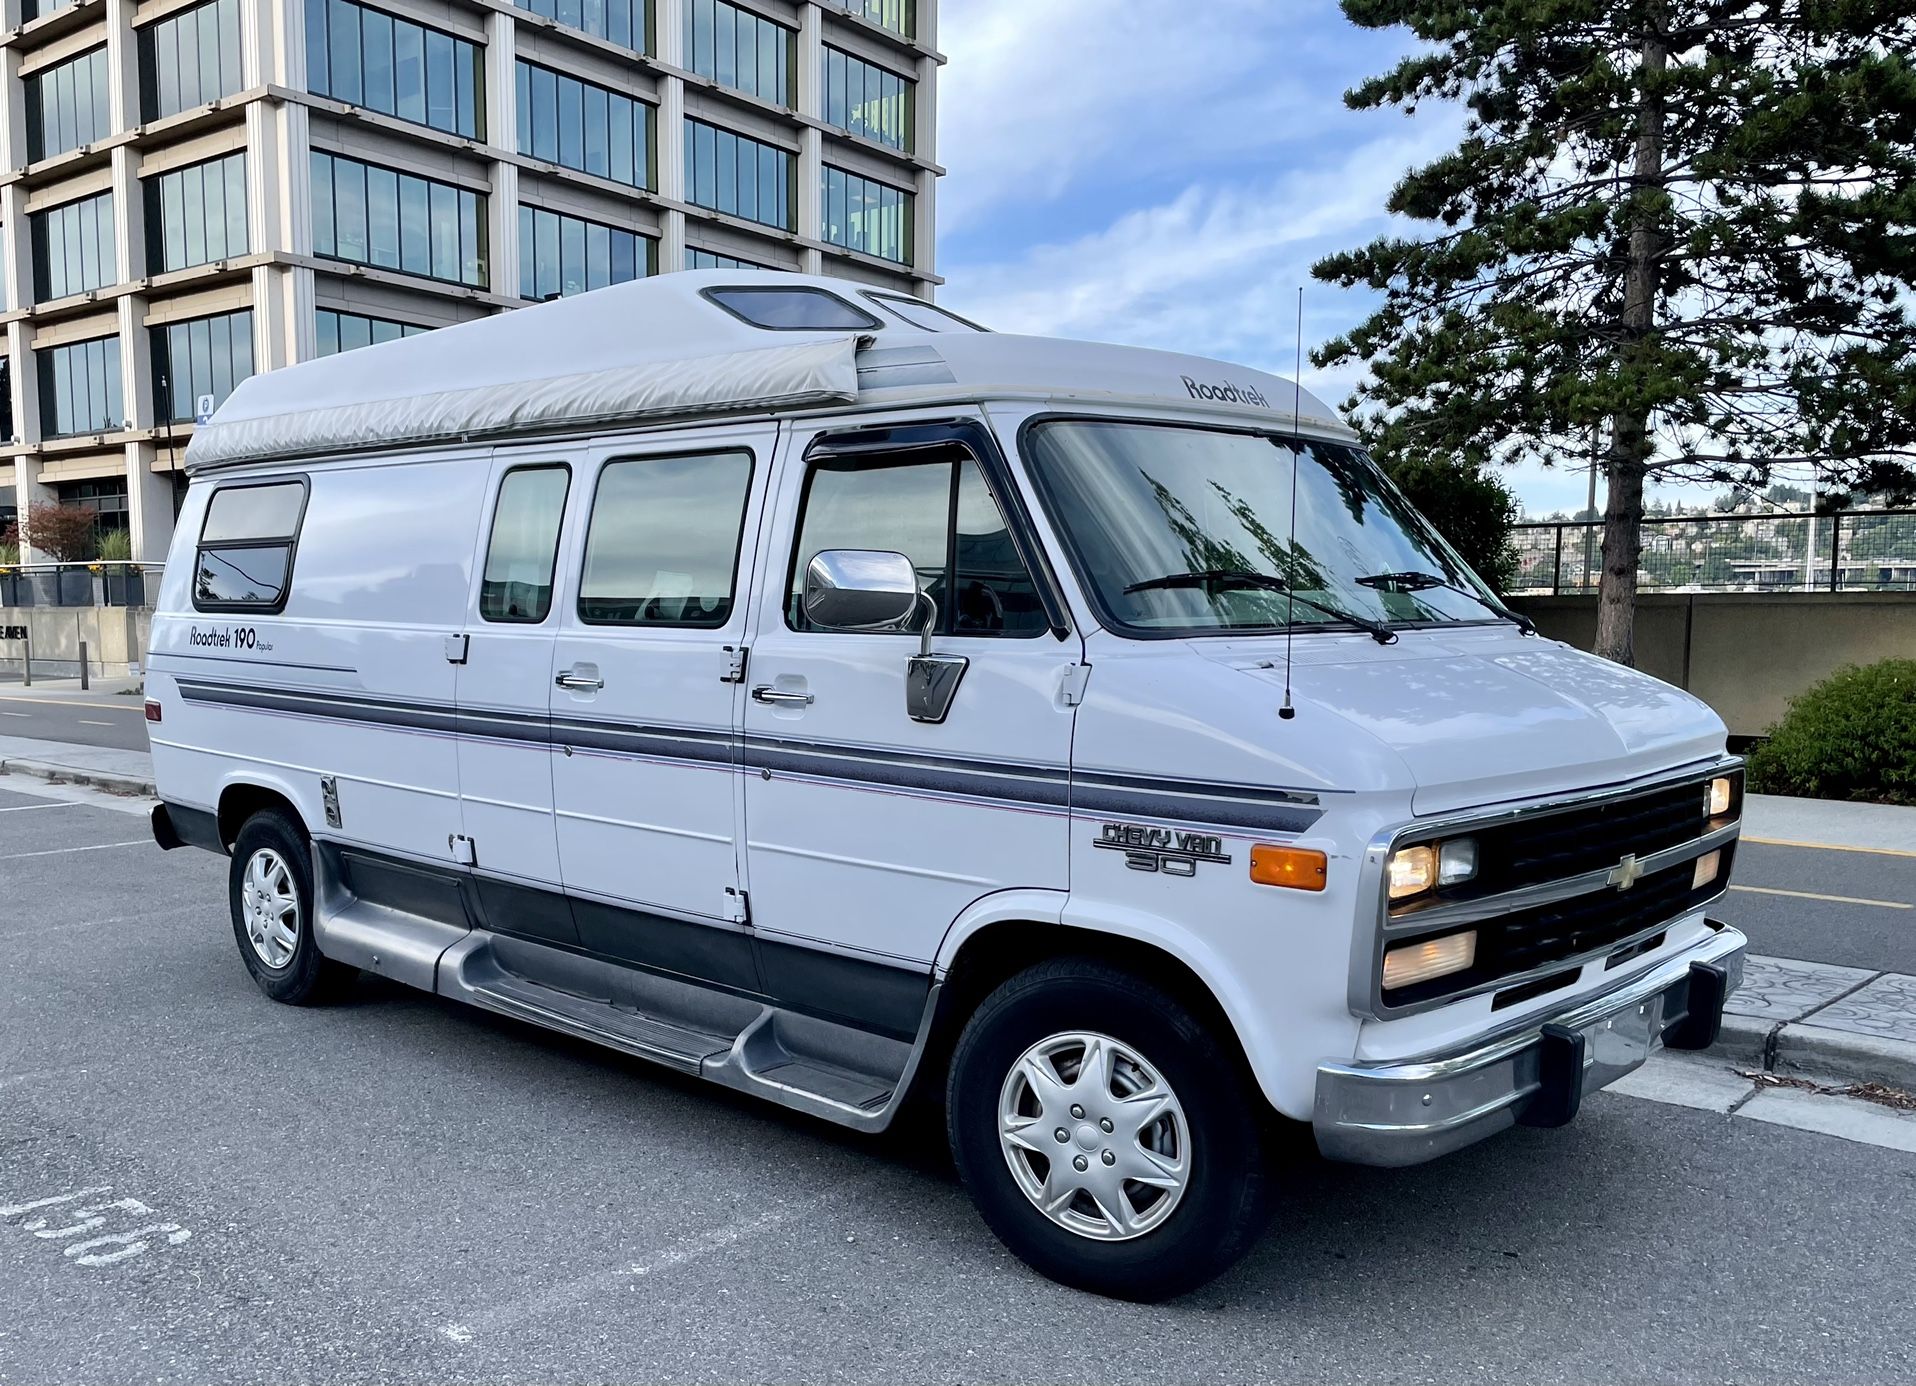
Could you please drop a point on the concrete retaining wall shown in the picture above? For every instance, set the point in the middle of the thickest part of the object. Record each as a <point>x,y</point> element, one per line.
<point>1746,654</point>
<point>115,637</point>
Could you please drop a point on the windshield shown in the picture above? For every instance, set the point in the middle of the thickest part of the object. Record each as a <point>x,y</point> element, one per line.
<point>1179,531</point>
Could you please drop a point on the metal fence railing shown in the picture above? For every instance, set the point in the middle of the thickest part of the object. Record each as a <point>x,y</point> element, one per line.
<point>79,584</point>
<point>1850,551</point>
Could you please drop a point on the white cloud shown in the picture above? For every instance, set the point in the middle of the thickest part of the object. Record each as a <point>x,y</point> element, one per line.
<point>1215,270</point>
<point>1042,96</point>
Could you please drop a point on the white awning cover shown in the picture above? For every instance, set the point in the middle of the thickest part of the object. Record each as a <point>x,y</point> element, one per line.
<point>809,372</point>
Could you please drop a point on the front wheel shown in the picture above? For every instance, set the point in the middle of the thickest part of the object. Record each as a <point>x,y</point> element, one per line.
<point>1105,1132</point>
<point>271,888</point>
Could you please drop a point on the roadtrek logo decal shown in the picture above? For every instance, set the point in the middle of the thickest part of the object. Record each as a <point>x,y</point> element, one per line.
<point>1168,851</point>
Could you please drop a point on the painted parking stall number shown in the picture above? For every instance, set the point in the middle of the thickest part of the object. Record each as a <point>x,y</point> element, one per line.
<point>89,1225</point>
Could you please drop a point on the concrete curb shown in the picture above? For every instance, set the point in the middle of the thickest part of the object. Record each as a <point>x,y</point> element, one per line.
<point>1843,1056</point>
<point>1837,1025</point>
<point>69,774</point>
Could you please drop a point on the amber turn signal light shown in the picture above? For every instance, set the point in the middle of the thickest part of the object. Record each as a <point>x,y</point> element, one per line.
<point>1300,868</point>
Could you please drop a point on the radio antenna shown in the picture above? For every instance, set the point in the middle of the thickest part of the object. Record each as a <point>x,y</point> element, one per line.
<point>1287,712</point>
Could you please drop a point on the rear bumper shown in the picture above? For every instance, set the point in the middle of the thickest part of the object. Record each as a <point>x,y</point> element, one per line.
<point>1405,1112</point>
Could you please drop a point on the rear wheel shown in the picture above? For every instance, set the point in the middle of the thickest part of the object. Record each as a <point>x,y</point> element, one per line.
<point>1106,1133</point>
<point>271,887</point>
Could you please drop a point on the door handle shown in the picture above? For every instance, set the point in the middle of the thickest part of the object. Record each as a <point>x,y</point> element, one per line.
<point>578,683</point>
<point>766,693</point>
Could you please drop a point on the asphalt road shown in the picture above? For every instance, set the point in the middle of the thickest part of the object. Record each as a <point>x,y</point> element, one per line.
<point>101,717</point>
<point>1849,907</point>
<point>404,1189</point>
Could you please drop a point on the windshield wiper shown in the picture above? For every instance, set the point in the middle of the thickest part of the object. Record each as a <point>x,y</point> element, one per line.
<point>1231,577</point>
<point>1423,582</point>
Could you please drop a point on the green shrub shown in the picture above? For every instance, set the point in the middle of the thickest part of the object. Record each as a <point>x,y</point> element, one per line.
<point>1852,736</point>
<point>116,545</point>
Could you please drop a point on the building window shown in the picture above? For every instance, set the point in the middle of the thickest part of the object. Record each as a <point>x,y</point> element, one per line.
<point>369,58</point>
<point>899,16</point>
<point>346,331</point>
<point>561,255</point>
<point>662,546</point>
<point>67,106</point>
<point>867,100</point>
<point>196,214</point>
<point>102,497</point>
<point>378,216</point>
<point>73,248</point>
<point>80,388</point>
<point>864,215</point>
<point>706,259</point>
<point>189,59</point>
<point>579,125</point>
<point>739,176</point>
<point>31,10</point>
<point>201,356</point>
<point>627,23</point>
<point>739,49</point>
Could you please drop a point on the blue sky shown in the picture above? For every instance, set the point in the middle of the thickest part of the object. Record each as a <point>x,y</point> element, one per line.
<point>1163,174</point>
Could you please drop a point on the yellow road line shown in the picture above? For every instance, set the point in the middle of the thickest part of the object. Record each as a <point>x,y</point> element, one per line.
<point>110,707</point>
<point>1834,899</point>
<point>1829,846</point>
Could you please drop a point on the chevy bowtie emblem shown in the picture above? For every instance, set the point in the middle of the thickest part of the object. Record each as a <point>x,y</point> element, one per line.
<point>1626,872</point>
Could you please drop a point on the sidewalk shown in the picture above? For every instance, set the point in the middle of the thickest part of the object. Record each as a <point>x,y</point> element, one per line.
<point>1773,819</point>
<point>121,772</point>
<point>1847,1023</point>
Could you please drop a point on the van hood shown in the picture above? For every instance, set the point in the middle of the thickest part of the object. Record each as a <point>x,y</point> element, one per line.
<point>1489,715</point>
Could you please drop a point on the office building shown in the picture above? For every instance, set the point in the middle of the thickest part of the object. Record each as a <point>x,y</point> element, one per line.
<point>196,191</point>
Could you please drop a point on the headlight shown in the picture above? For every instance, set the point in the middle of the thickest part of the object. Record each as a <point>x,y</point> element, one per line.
<point>1721,793</point>
<point>1410,963</point>
<point>1414,870</point>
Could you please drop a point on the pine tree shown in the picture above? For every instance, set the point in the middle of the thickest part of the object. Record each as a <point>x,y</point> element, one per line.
<point>1686,225</point>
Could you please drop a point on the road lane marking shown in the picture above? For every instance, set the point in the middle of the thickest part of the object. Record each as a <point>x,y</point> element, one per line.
<point>85,723</point>
<point>34,808</point>
<point>4,713</point>
<point>1828,846</point>
<point>70,702</point>
<point>62,851</point>
<point>1800,895</point>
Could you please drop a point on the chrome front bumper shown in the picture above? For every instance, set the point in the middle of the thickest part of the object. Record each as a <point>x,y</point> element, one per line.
<point>1404,1112</point>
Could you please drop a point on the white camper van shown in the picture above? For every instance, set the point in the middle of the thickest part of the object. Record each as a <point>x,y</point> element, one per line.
<point>802,687</point>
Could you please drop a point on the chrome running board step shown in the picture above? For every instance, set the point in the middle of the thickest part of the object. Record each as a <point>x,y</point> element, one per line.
<point>832,1071</point>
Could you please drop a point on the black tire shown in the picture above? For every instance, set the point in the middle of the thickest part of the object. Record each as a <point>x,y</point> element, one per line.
<point>305,977</point>
<point>1225,1200</point>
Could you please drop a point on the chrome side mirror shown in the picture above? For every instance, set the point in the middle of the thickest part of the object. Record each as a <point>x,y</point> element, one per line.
<point>860,590</point>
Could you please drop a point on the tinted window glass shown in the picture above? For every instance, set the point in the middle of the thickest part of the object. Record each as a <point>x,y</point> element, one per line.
<point>992,592</point>
<point>794,309</point>
<point>957,541</point>
<point>525,545</point>
<point>662,549</point>
<point>253,512</point>
<point>903,508</point>
<point>245,576</point>
<point>921,314</point>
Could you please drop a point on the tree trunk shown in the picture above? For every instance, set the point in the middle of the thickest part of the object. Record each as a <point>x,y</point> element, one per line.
<point>1630,442</point>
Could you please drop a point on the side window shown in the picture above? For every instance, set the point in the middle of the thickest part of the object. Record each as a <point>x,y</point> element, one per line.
<point>662,546</point>
<point>245,559</point>
<point>524,548</point>
<point>939,513</point>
